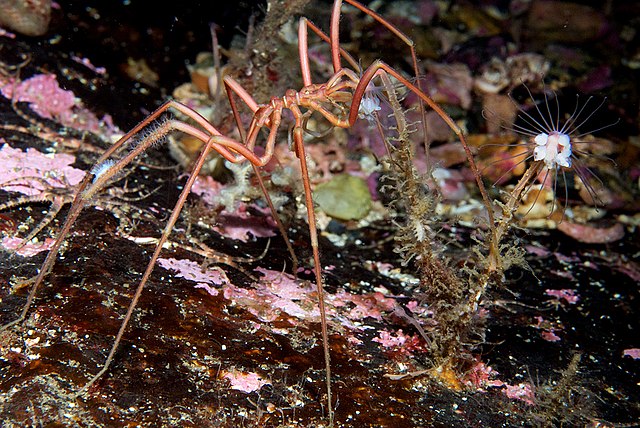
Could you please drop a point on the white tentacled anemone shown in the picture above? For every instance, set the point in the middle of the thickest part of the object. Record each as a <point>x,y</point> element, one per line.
<point>557,145</point>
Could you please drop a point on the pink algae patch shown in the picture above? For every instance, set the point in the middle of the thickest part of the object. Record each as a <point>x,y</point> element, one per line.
<point>29,249</point>
<point>372,305</point>
<point>43,94</point>
<point>400,343</point>
<point>279,295</point>
<point>192,271</point>
<point>481,376</point>
<point>245,382</point>
<point>549,329</point>
<point>391,340</point>
<point>208,189</point>
<point>592,235</point>
<point>31,173</point>
<point>522,392</point>
<point>550,336</point>
<point>632,352</point>
<point>24,172</point>
<point>276,294</point>
<point>239,224</point>
<point>49,100</point>
<point>566,294</point>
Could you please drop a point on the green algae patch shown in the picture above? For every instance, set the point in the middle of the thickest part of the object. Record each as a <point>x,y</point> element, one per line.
<point>344,197</point>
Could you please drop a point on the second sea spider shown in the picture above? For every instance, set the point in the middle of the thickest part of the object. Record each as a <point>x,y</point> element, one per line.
<point>339,100</point>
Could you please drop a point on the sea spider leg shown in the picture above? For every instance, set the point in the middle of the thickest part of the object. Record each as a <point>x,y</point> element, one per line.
<point>270,115</point>
<point>93,183</point>
<point>216,142</point>
<point>335,44</point>
<point>379,66</point>
<point>367,77</point>
<point>233,87</point>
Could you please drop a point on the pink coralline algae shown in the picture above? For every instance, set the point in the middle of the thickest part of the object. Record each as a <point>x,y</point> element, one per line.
<point>49,100</point>
<point>239,224</point>
<point>565,294</point>
<point>522,391</point>
<point>391,340</point>
<point>279,295</point>
<point>482,376</point>
<point>193,271</point>
<point>245,382</point>
<point>372,305</point>
<point>29,172</point>
<point>549,329</point>
<point>550,336</point>
<point>43,94</point>
<point>26,250</point>
<point>632,352</point>
<point>592,235</point>
<point>399,344</point>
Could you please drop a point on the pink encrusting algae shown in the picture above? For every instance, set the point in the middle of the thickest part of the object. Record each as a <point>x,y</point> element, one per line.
<point>549,329</point>
<point>22,171</point>
<point>522,391</point>
<point>245,382</point>
<point>280,296</point>
<point>400,343</point>
<point>47,99</point>
<point>30,172</point>
<point>239,224</point>
<point>26,250</point>
<point>632,352</point>
<point>566,294</point>
<point>192,271</point>
<point>43,94</point>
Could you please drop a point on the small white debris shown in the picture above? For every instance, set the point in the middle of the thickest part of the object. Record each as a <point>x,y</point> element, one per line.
<point>101,168</point>
<point>368,106</point>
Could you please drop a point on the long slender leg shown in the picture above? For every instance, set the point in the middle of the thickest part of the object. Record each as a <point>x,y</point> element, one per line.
<point>232,87</point>
<point>335,32</point>
<point>156,254</point>
<point>84,191</point>
<point>313,235</point>
<point>303,49</point>
<point>235,87</point>
<point>276,218</point>
<point>98,178</point>
<point>77,206</point>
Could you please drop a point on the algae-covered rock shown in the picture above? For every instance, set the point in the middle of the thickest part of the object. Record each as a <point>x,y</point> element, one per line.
<point>344,197</point>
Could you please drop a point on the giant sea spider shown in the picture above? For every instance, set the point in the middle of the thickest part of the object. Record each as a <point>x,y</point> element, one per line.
<point>341,99</point>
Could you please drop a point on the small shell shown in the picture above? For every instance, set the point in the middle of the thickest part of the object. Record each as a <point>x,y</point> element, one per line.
<point>28,17</point>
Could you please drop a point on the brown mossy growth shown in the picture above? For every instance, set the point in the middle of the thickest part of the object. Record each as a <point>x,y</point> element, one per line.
<point>452,294</point>
<point>565,402</point>
<point>268,66</point>
<point>278,13</point>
